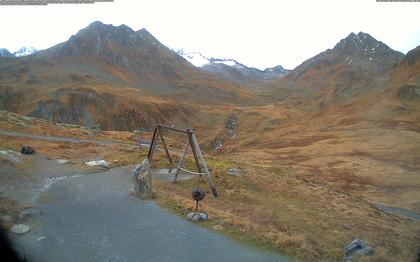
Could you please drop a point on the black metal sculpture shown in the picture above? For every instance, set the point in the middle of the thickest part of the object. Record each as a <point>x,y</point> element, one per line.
<point>198,194</point>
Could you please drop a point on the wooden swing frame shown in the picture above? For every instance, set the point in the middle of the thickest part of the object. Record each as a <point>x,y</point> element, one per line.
<point>191,142</point>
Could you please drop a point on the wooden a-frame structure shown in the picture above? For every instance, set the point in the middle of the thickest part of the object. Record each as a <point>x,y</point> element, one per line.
<point>191,142</point>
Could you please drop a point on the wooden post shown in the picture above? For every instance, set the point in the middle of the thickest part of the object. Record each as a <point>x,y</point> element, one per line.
<point>152,146</point>
<point>197,163</point>
<point>164,145</point>
<point>206,170</point>
<point>181,159</point>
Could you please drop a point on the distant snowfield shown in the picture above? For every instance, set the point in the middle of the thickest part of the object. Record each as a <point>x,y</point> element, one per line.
<point>195,58</point>
<point>25,51</point>
<point>199,60</point>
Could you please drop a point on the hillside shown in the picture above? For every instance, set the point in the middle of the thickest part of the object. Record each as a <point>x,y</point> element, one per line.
<point>233,70</point>
<point>106,76</point>
<point>317,152</point>
<point>354,66</point>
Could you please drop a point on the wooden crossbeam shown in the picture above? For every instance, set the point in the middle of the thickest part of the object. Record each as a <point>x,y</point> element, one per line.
<point>172,128</point>
<point>181,159</point>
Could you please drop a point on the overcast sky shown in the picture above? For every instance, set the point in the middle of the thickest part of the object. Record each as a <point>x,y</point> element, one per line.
<point>258,33</point>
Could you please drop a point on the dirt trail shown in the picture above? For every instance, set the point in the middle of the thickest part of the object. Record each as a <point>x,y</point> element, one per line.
<point>399,211</point>
<point>58,138</point>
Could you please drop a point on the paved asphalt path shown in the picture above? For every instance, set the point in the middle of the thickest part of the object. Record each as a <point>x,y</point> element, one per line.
<point>92,218</point>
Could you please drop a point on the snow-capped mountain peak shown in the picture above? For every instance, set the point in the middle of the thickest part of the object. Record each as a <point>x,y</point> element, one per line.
<point>24,51</point>
<point>224,66</point>
<point>5,53</point>
<point>229,62</point>
<point>199,60</point>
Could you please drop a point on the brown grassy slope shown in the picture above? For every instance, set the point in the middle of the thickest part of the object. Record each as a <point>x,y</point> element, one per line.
<point>312,177</point>
<point>270,205</point>
<point>352,68</point>
<point>112,78</point>
<point>366,146</point>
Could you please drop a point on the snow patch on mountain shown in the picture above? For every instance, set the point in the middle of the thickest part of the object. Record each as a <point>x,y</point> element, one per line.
<point>214,65</point>
<point>5,53</point>
<point>199,60</point>
<point>195,58</point>
<point>229,62</point>
<point>25,51</point>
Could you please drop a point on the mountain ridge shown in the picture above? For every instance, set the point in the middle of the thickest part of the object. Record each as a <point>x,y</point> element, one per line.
<point>351,68</point>
<point>232,69</point>
<point>100,60</point>
<point>80,81</point>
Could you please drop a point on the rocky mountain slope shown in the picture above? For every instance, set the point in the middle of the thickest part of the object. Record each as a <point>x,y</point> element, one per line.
<point>25,51</point>
<point>329,141</point>
<point>113,78</point>
<point>232,69</point>
<point>354,66</point>
<point>116,78</point>
<point>5,53</point>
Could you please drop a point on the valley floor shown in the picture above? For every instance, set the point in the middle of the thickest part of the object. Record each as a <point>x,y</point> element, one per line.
<point>284,200</point>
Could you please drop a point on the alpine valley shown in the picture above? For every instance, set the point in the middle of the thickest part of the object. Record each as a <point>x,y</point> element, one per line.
<point>321,147</point>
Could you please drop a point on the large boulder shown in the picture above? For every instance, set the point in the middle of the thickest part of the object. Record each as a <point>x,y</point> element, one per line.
<point>142,180</point>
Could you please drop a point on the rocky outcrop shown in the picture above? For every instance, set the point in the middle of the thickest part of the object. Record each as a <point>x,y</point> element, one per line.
<point>142,181</point>
<point>231,125</point>
<point>357,247</point>
<point>217,144</point>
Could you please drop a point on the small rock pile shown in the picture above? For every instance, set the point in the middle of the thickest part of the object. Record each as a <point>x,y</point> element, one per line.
<point>196,217</point>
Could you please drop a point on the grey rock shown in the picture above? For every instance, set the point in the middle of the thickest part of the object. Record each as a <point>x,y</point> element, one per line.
<point>102,163</point>
<point>63,161</point>
<point>218,144</point>
<point>357,247</point>
<point>142,180</point>
<point>190,215</point>
<point>231,125</point>
<point>235,171</point>
<point>195,217</point>
<point>203,216</point>
<point>20,229</point>
<point>40,238</point>
<point>144,143</point>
